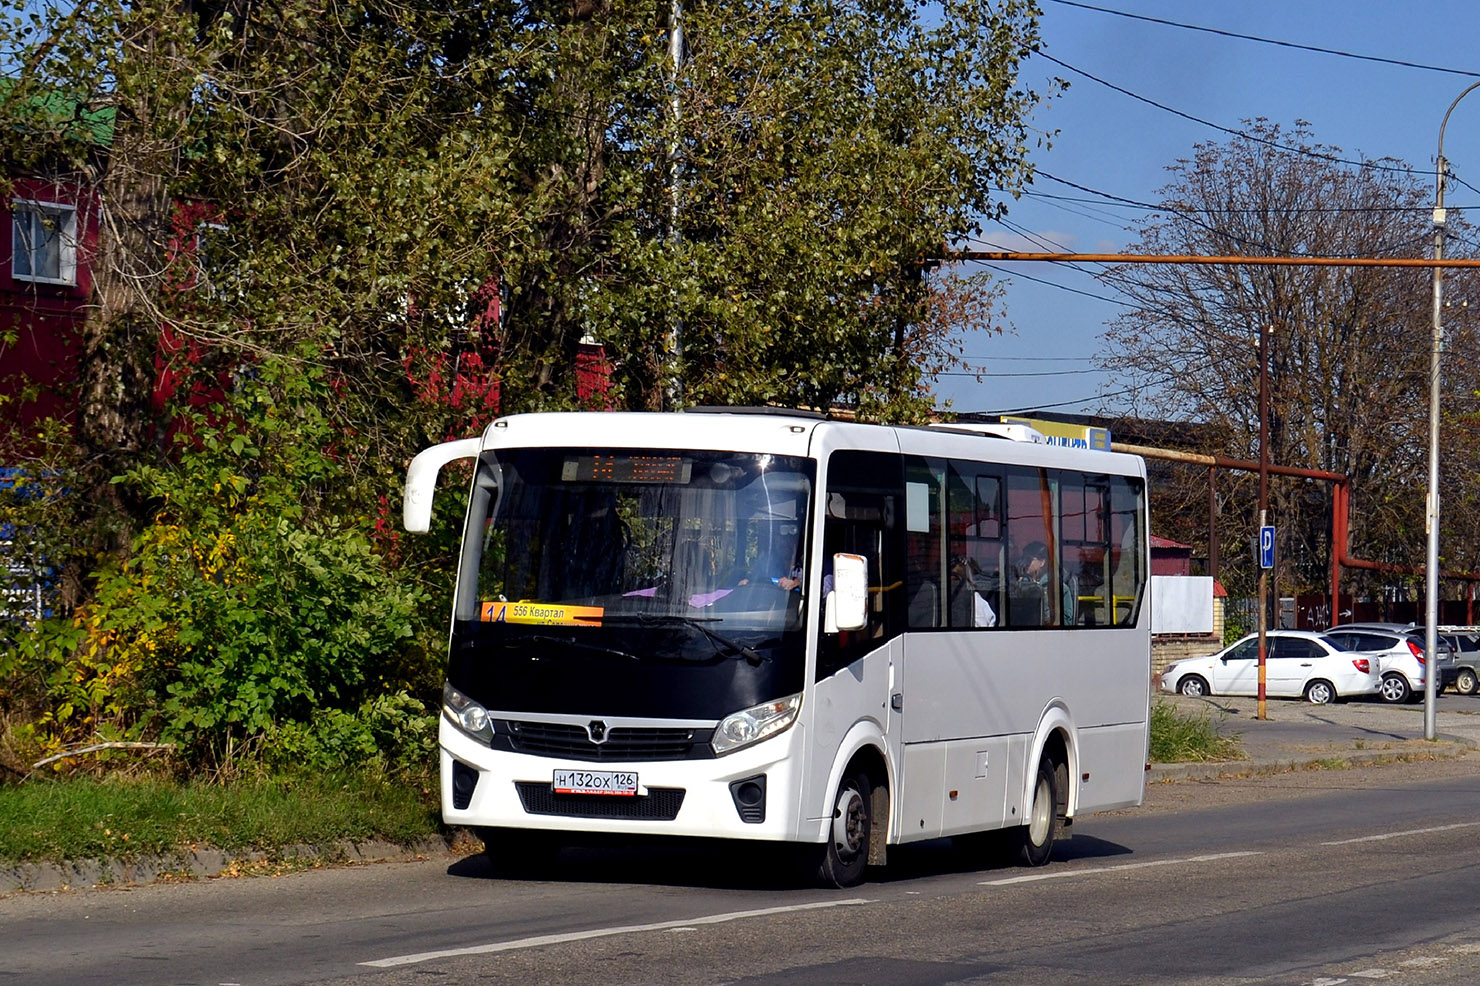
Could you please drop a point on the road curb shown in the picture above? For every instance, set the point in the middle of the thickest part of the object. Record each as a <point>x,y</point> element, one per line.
<point>207,862</point>
<point>1443,747</point>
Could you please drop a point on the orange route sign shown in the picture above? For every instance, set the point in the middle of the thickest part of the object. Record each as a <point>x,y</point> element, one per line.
<point>541,613</point>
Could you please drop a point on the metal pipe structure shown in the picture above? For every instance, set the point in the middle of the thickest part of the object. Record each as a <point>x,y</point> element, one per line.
<point>998,256</point>
<point>1340,512</point>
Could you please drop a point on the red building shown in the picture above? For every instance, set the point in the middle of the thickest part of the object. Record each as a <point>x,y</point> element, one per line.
<point>45,280</point>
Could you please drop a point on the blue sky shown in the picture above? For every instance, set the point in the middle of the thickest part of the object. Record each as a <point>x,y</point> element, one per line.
<point>1114,143</point>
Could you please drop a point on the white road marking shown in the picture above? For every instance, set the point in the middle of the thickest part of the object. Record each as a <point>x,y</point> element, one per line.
<point>1372,974</point>
<point>1061,874</point>
<point>509,946</point>
<point>1399,835</point>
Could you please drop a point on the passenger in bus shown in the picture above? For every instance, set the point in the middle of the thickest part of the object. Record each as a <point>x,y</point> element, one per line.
<point>769,566</point>
<point>970,588</point>
<point>1034,570</point>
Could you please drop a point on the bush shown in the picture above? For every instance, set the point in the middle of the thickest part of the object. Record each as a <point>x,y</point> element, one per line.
<point>391,732</point>
<point>1178,737</point>
<point>257,600</point>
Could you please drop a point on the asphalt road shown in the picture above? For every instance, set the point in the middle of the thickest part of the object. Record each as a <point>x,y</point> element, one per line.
<point>1314,877</point>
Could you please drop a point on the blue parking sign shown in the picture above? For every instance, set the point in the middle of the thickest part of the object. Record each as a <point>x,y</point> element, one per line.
<point>1266,546</point>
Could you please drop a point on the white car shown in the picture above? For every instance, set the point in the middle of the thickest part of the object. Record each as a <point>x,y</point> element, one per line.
<point>1298,663</point>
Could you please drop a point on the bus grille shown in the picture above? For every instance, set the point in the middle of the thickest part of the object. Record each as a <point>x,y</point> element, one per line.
<point>660,804</point>
<point>556,739</point>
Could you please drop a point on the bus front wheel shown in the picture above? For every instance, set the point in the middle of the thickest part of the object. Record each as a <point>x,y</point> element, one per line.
<point>1034,841</point>
<point>845,854</point>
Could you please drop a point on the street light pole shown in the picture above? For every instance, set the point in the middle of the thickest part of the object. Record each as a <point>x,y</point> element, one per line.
<point>1431,513</point>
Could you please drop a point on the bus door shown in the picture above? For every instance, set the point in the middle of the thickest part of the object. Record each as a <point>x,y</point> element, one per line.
<point>859,672</point>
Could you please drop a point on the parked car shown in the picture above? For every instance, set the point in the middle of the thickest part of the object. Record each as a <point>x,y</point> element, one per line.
<point>1466,644</point>
<point>1298,663</point>
<point>1399,651</point>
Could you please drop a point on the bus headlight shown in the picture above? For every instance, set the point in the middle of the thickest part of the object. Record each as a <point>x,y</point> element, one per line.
<point>467,714</point>
<point>755,723</point>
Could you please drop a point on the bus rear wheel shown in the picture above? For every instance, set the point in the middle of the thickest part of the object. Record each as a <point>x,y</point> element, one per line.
<point>1032,843</point>
<point>845,853</point>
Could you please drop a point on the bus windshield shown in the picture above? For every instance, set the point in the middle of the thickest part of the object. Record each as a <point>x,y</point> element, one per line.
<point>618,566</point>
<point>581,538</point>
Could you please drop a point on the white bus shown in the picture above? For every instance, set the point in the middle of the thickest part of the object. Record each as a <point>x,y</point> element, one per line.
<point>773,626</point>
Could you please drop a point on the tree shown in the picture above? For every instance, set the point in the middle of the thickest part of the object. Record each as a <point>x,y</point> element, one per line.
<point>347,228</point>
<point>1348,352</point>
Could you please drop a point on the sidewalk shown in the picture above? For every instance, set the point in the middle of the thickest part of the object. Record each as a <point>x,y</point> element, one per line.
<point>1296,734</point>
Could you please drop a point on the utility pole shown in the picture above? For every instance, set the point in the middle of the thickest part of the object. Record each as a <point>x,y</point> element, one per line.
<point>673,362</point>
<point>1431,513</point>
<point>1263,623</point>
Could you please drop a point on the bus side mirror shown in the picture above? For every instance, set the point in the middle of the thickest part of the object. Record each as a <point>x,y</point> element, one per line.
<point>421,480</point>
<point>848,602</point>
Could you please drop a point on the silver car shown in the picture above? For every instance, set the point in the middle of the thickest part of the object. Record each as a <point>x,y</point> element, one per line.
<point>1399,650</point>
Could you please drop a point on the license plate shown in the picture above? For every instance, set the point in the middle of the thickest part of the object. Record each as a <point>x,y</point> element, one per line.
<point>622,782</point>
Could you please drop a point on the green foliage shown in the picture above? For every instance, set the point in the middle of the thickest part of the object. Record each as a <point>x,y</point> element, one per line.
<point>348,229</point>
<point>249,600</point>
<point>392,732</point>
<point>1178,737</point>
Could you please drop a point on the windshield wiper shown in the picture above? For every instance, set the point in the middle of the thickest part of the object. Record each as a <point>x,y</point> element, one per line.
<point>719,640</point>
<point>545,638</point>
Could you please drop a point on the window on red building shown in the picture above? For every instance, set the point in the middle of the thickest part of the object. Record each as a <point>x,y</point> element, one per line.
<point>44,242</point>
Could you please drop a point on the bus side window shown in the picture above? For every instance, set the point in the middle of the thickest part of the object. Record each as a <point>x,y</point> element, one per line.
<point>974,530</point>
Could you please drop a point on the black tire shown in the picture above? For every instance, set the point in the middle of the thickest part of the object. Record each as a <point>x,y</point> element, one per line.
<point>1032,843</point>
<point>1395,690</point>
<point>1320,692</point>
<point>1467,682</point>
<point>845,853</point>
<point>1194,686</point>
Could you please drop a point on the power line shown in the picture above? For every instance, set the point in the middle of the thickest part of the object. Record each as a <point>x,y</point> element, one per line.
<point>1132,204</point>
<point>1061,287</point>
<point>1271,41</point>
<point>1230,131</point>
<point>1032,359</point>
<point>986,374</point>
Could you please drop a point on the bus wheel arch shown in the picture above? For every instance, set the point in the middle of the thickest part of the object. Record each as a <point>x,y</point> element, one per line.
<point>1056,740</point>
<point>857,827</point>
<point>1051,792</point>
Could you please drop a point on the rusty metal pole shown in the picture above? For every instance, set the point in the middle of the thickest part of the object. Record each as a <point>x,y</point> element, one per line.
<point>1213,522</point>
<point>1263,623</point>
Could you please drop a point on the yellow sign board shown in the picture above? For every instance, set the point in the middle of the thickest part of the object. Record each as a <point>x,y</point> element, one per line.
<point>1066,435</point>
<point>541,613</point>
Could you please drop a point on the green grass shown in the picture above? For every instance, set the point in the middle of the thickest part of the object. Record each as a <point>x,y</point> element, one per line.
<point>82,818</point>
<point>1178,737</point>
<point>118,817</point>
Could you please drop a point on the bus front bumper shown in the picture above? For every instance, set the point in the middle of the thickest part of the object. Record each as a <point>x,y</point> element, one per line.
<point>751,793</point>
